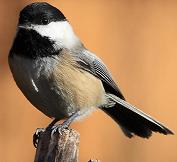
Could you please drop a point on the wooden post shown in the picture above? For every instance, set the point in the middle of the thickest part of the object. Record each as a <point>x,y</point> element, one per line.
<point>60,147</point>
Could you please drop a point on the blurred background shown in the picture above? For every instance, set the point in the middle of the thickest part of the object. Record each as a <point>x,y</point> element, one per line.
<point>137,39</point>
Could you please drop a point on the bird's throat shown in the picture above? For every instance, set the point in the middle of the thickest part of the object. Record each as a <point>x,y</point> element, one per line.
<point>29,43</point>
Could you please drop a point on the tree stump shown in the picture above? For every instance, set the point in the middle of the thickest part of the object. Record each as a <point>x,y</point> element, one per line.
<point>61,147</point>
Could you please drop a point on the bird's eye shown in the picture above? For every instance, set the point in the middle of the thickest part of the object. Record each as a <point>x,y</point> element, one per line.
<point>23,19</point>
<point>44,21</point>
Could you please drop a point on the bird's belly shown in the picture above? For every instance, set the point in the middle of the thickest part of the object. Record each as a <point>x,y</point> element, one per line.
<point>80,88</point>
<point>59,93</point>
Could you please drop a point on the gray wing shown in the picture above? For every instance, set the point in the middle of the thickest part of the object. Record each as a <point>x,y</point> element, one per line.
<point>95,66</point>
<point>131,120</point>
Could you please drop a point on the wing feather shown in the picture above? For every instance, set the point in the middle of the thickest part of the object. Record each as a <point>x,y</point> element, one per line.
<point>131,120</point>
<point>91,63</point>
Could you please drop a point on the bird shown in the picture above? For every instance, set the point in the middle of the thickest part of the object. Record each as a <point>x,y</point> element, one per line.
<point>63,79</point>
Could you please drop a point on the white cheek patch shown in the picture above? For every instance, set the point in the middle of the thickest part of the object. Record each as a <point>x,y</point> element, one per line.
<point>60,32</point>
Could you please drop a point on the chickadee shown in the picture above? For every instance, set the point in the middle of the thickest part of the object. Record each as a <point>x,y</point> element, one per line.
<point>64,80</point>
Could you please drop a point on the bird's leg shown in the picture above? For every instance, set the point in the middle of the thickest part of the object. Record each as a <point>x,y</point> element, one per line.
<point>54,128</point>
<point>65,124</point>
<point>38,132</point>
<point>52,124</point>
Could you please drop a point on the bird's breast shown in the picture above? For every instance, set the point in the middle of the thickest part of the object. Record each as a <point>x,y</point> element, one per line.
<point>55,86</point>
<point>33,79</point>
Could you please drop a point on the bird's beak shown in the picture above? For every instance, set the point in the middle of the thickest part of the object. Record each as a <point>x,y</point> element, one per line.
<point>25,26</point>
<point>21,26</point>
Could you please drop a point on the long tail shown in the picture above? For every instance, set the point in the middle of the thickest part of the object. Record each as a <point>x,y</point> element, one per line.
<point>133,121</point>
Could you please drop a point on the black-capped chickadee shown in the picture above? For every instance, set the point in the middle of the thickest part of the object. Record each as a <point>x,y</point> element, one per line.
<point>62,79</point>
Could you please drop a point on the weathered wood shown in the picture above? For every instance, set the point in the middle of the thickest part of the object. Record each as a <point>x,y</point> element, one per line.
<point>61,147</point>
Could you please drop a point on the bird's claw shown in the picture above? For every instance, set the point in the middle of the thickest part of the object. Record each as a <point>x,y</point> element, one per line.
<point>58,128</point>
<point>53,129</point>
<point>36,136</point>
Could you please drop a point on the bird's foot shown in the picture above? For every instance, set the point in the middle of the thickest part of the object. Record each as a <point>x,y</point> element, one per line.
<point>36,136</point>
<point>64,125</point>
<point>58,128</point>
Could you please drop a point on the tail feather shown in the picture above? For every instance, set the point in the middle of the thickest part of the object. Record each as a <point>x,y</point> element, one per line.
<point>134,121</point>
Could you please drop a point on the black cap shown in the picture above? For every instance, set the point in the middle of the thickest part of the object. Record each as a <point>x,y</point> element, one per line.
<point>40,13</point>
